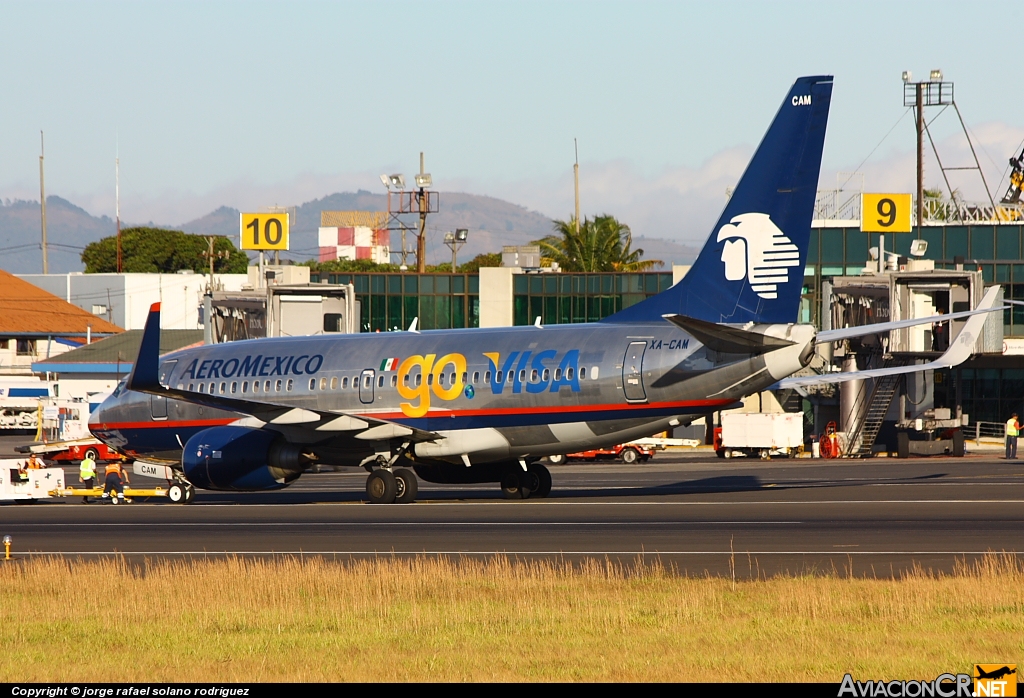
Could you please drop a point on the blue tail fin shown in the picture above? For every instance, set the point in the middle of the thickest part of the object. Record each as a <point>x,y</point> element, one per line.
<point>752,266</point>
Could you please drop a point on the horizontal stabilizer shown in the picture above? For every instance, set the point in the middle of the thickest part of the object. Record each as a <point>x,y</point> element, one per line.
<point>726,339</point>
<point>959,351</point>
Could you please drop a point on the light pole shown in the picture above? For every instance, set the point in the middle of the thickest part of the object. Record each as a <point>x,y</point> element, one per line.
<point>455,241</point>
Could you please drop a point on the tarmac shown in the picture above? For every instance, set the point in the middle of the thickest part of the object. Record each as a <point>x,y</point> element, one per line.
<point>698,514</point>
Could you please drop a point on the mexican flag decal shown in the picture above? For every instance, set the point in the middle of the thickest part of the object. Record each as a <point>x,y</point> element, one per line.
<point>389,364</point>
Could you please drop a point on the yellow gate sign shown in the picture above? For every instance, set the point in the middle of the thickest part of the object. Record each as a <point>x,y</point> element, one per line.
<point>264,231</point>
<point>885,213</point>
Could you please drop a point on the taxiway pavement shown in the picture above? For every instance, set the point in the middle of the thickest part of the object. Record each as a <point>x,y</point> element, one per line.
<point>701,515</point>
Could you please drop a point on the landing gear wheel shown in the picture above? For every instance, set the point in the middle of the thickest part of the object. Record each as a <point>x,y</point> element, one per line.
<point>190,493</point>
<point>558,459</point>
<point>514,485</point>
<point>407,486</point>
<point>176,493</point>
<point>381,487</point>
<point>543,488</point>
<point>91,453</point>
<point>629,456</point>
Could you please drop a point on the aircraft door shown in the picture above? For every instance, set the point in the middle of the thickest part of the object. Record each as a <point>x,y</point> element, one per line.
<point>366,386</point>
<point>632,376</point>
<point>158,406</point>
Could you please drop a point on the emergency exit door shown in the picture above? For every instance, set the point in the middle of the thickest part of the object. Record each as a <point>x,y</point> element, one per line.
<point>366,386</point>
<point>632,372</point>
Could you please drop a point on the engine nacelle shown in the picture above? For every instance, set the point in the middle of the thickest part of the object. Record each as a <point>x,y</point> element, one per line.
<point>240,458</point>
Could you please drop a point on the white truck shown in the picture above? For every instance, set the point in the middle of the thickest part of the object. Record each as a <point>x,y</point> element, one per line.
<point>18,485</point>
<point>759,434</point>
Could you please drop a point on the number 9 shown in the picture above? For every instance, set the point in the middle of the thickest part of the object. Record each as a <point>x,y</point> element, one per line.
<point>886,209</point>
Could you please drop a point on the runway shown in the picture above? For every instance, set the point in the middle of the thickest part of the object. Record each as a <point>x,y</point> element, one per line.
<point>701,515</point>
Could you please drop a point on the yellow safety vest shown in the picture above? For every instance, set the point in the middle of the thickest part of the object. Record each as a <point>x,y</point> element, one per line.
<point>1011,427</point>
<point>87,469</point>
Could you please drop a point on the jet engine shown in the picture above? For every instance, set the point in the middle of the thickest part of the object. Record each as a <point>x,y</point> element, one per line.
<point>241,458</point>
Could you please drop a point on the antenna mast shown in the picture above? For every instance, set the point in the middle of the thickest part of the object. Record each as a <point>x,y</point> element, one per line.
<point>117,206</point>
<point>576,182</point>
<point>42,202</point>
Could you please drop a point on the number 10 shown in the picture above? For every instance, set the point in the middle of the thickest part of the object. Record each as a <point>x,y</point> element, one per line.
<point>272,231</point>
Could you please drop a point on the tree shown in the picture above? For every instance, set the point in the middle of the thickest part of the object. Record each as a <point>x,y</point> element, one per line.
<point>484,259</point>
<point>602,244</point>
<point>153,250</point>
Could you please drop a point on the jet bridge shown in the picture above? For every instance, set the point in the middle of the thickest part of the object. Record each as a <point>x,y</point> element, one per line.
<point>917,413</point>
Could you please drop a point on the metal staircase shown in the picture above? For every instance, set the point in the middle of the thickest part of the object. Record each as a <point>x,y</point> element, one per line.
<point>861,442</point>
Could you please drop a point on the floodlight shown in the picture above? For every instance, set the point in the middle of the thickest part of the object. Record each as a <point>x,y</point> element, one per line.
<point>935,76</point>
<point>918,248</point>
<point>397,181</point>
<point>8,540</point>
<point>386,181</point>
<point>907,77</point>
<point>423,181</point>
<point>461,234</point>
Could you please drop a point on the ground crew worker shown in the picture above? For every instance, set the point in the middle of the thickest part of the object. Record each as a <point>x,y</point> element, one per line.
<point>34,463</point>
<point>116,477</point>
<point>1012,429</point>
<point>87,473</point>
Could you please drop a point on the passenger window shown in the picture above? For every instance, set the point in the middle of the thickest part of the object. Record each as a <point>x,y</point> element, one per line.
<point>405,379</point>
<point>344,383</point>
<point>312,383</point>
<point>394,380</point>
<point>245,386</point>
<point>266,386</point>
<point>430,379</point>
<point>234,386</point>
<point>547,375</point>
<point>569,373</point>
<point>533,376</point>
<point>380,381</point>
<point>522,375</point>
<point>476,376</point>
<point>323,384</point>
<point>498,377</point>
<point>202,387</point>
<point>223,387</point>
<point>289,386</point>
<point>464,377</point>
<point>277,385</point>
<point>583,373</point>
<point>366,381</point>
<point>334,382</point>
<point>510,376</point>
<point>593,373</point>
<point>213,388</point>
<point>191,386</point>
<point>487,377</point>
<point>255,386</point>
<point>558,374</point>
<point>419,378</point>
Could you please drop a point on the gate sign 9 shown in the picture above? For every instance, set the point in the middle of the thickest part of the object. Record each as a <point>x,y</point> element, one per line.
<point>885,213</point>
<point>264,231</point>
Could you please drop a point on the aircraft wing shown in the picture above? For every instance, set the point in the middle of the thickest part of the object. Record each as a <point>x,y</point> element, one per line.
<point>144,378</point>
<point>987,305</point>
<point>959,351</point>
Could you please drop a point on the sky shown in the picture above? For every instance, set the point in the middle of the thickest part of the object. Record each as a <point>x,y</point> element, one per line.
<point>254,104</point>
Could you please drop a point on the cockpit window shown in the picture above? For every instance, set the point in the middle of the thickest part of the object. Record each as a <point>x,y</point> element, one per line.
<point>120,388</point>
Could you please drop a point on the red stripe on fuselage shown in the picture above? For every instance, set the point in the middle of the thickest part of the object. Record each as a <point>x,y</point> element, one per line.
<point>554,409</point>
<point>163,424</point>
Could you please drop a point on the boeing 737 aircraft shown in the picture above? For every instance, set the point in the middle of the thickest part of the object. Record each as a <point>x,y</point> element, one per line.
<point>486,404</point>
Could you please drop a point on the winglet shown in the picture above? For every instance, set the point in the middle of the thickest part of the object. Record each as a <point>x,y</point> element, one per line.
<point>145,375</point>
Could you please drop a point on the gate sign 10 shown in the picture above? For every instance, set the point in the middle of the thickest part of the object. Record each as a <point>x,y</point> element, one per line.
<point>264,231</point>
<point>885,213</point>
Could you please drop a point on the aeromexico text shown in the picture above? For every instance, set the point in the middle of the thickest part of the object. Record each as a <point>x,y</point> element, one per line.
<point>251,366</point>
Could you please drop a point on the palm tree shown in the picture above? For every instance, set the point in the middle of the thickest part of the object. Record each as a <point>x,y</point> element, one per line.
<point>602,244</point>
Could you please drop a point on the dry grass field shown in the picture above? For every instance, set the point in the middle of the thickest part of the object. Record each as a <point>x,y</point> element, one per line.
<point>433,619</point>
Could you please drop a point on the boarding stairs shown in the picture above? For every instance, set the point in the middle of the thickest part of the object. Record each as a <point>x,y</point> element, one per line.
<point>861,442</point>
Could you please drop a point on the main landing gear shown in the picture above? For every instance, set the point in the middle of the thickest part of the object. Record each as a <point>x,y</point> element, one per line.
<point>535,482</point>
<point>181,493</point>
<point>398,486</point>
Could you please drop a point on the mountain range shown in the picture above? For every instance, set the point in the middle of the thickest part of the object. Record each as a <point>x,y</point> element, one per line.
<point>491,222</point>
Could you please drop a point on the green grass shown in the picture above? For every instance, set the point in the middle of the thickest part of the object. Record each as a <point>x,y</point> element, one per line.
<point>494,620</point>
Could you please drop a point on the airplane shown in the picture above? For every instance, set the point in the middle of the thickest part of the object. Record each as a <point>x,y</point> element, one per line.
<point>484,405</point>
